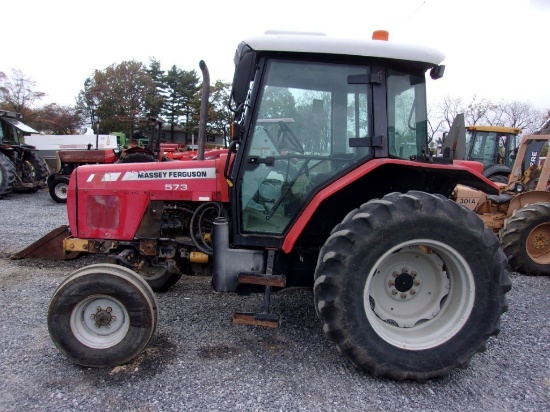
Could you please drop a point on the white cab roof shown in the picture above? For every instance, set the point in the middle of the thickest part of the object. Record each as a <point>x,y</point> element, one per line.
<point>319,43</point>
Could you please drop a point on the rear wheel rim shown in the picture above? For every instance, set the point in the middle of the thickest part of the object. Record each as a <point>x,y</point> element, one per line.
<point>419,295</point>
<point>538,244</point>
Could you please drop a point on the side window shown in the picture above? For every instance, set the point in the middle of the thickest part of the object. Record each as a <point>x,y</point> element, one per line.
<point>407,121</point>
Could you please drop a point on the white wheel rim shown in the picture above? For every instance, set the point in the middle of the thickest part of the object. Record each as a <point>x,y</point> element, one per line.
<point>431,297</point>
<point>61,190</point>
<point>100,321</point>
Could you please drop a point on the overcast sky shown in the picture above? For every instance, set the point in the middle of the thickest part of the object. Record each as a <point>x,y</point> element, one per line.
<point>495,49</point>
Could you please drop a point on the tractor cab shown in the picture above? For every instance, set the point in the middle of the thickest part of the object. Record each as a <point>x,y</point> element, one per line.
<point>310,111</point>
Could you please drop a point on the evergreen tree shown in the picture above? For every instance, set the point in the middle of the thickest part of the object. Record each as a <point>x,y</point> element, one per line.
<point>155,100</point>
<point>181,100</point>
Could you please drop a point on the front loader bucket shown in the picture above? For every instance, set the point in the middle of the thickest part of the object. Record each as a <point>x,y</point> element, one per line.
<point>48,247</point>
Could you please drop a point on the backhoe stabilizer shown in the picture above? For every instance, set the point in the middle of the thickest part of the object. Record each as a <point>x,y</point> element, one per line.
<point>50,246</point>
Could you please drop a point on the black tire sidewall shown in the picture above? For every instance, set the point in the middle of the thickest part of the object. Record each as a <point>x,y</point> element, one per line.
<point>73,291</point>
<point>137,158</point>
<point>515,241</point>
<point>164,282</point>
<point>7,175</point>
<point>53,185</point>
<point>363,345</point>
<point>447,352</point>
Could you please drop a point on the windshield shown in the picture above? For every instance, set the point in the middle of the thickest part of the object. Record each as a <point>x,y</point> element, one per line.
<point>482,147</point>
<point>308,112</point>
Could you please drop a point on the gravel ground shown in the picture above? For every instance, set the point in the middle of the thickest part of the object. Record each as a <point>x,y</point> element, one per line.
<point>198,361</point>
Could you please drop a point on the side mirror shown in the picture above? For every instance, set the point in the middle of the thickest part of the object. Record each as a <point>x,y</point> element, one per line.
<point>244,73</point>
<point>437,72</point>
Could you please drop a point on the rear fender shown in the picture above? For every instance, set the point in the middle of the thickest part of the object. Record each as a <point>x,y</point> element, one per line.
<point>375,179</point>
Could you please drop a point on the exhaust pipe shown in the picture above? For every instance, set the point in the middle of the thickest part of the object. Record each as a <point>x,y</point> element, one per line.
<point>204,109</point>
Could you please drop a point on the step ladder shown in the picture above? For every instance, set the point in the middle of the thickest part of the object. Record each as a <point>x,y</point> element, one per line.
<point>268,280</point>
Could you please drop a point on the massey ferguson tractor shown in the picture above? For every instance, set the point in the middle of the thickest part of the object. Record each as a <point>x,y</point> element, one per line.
<point>328,183</point>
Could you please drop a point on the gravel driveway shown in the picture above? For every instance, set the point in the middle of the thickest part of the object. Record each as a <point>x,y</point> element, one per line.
<point>197,360</point>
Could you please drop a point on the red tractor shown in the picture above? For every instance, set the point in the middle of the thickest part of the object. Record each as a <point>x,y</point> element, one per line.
<point>328,183</point>
<point>68,160</point>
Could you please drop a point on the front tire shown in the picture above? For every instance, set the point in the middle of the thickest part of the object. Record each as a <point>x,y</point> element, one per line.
<point>411,286</point>
<point>58,189</point>
<point>525,238</point>
<point>102,315</point>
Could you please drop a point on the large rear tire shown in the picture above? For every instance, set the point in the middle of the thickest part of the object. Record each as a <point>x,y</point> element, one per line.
<point>102,315</point>
<point>34,173</point>
<point>499,179</point>
<point>7,175</point>
<point>160,279</point>
<point>137,158</point>
<point>411,286</point>
<point>525,238</point>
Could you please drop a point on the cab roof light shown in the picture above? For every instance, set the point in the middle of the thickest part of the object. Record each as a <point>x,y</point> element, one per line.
<point>380,35</point>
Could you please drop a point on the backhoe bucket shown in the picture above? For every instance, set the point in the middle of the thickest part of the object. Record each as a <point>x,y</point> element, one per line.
<point>48,247</point>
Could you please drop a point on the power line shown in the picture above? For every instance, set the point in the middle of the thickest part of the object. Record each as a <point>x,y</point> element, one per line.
<point>414,12</point>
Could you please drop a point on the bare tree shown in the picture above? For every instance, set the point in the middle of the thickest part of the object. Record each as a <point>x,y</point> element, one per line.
<point>485,112</point>
<point>446,110</point>
<point>522,115</point>
<point>17,93</point>
<point>476,112</point>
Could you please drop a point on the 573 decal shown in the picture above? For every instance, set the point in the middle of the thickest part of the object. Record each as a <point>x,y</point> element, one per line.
<point>174,186</point>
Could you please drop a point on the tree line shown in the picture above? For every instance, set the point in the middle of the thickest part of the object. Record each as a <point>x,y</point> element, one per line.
<point>121,94</point>
<point>483,112</point>
<point>118,98</point>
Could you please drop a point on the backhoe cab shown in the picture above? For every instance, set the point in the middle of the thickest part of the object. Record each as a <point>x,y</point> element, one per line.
<point>328,183</point>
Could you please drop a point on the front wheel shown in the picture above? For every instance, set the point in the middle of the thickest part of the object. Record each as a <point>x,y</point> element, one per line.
<point>525,239</point>
<point>58,189</point>
<point>102,315</point>
<point>411,286</point>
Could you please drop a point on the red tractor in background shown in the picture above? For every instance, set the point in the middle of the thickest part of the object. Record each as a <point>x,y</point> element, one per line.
<point>328,183</point>
<point>69,160</point>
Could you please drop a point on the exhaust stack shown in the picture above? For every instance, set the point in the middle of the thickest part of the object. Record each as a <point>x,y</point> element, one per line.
<point>204,109</point>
